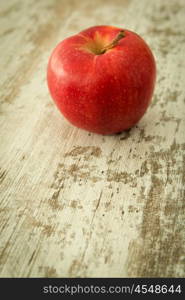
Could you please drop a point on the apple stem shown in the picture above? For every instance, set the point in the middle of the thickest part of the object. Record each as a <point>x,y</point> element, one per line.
<point>120,35</point>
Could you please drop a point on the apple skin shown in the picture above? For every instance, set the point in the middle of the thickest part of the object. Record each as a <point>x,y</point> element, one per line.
<point>102,93</point>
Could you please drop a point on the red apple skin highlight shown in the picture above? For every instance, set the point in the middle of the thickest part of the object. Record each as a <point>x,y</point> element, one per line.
<point>101,92</point>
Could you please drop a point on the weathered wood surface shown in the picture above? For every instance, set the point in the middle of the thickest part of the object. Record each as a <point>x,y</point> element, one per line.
<point>77,204</point>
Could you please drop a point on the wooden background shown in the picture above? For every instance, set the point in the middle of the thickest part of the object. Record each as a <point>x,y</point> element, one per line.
<point>76,204</point>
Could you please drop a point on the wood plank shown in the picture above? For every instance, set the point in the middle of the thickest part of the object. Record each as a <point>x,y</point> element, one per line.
<point>77,204</point>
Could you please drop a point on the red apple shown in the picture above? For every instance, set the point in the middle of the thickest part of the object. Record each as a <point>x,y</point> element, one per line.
<point>102,78</point>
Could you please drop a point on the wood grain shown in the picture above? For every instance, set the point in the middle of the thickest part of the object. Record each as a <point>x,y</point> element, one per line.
<point>76,204</point>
